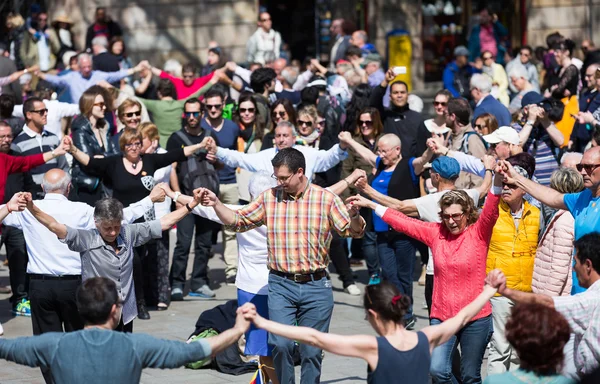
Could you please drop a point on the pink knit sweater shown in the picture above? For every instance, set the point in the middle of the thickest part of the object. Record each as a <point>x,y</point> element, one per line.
<point>459,260</point>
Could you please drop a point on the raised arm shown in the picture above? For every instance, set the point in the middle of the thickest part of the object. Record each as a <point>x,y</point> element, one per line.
<point>364,152</point>
<point>439,334</point>
<point>17,203</point>
<point>252,162</point>
<point>82,157</point>
<point>486,221</point>
<point>170,219</point>
<point>418,163</point>
<point>136,210</point>
<point>60,230</point>
<point>467,163</point>
<point>545,195</point>
<point>490,164</point>
<point>407,207</point>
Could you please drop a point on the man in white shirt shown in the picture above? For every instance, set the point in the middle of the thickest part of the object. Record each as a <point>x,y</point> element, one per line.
<point>55,271</point>
<point>285,137</point>
<point>264,45</point>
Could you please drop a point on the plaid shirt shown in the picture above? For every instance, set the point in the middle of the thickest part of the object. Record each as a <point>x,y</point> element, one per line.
<point>582,311</point>
<point>298,229</point>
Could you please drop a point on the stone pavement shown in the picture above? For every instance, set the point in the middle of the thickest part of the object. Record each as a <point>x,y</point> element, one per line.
<point>177,323</point>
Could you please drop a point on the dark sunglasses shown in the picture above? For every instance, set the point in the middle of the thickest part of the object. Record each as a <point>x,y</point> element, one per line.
<point>589,168</point>
<point>280,113</point>
<point>244,110</point>
<point>443,104</point>
<point>479,126</point>
<point>213,106</point>
<point>488,58</point>
<point>368,123</point>
<point>131,114</point>
<point>100,104</point>
<point>191,114</point>
<point>307,123</point>
<point>41,111</point>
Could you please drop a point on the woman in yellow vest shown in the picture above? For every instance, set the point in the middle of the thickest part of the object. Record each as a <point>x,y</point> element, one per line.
<point>512,249</point>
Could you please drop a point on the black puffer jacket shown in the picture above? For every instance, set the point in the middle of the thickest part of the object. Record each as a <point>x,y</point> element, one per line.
<point>85,140</point>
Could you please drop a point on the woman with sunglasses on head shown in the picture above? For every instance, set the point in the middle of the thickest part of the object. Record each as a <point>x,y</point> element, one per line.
<point>459,246</point>
<point>91,134</point>
<point>396,354</point>
<point>485,124</point>
<point>281,110</point>
<point>250,140</point>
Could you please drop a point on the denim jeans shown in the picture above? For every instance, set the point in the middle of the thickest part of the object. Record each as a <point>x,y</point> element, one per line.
<point>310,305</point>
<point>473,339</point>
<point>397,260</point>
<point>369,250</point>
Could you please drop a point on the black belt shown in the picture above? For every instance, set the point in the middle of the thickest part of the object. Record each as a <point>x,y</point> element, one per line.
<point>301,277</point>
<point>54,277</point>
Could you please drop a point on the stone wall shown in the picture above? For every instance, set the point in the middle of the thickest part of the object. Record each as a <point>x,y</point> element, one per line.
<point>161,29</point>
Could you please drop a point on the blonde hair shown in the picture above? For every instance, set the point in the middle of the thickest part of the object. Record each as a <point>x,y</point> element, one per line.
<point>566,180</point>
<point>15,20</point>
<point>310,111</point>
<point>149,131</point>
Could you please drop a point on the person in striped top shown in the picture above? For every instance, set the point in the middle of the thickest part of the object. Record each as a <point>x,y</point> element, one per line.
<point>299,217</point>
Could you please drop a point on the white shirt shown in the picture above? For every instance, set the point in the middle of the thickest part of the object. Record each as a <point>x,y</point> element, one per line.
<point>429,210</point>
<point>162,175</point>
<point>43,53</point>
<point>56,111</point>
<point>253,273</point>
<point>49,256</point>
<point>316,160</point>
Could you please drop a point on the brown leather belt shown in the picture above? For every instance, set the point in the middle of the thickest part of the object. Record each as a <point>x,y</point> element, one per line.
<point>302,277</point>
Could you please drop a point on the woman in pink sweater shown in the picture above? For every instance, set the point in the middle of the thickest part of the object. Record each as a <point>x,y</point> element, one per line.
<point>459,246</point>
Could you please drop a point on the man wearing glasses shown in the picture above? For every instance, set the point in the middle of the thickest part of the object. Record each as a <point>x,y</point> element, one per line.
<point>191,133</point>
<point>34,139</point>
<point>264,45</point>
<point>227,133</point>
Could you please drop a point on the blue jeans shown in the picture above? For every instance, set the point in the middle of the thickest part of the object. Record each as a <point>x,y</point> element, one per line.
<point>397,260</point>
<point>369,250</point>
<point>473,339</point>
<point>310,305</point>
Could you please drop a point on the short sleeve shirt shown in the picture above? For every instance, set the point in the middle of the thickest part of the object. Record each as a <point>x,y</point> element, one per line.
<point>586,210</point>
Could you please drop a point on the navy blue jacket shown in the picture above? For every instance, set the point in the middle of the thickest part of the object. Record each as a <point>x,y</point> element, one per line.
<point>490,105</point>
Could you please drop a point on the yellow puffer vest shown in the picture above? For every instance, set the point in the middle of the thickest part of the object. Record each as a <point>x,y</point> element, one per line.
<point>512,250</point>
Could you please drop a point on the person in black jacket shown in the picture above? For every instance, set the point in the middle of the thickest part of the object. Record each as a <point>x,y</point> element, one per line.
<point>103,26</point>
<point>91,135</point>
<point>408,125</point>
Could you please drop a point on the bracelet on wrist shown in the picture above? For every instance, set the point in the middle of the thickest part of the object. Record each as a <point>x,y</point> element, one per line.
<point>529,122</point>
<point>187,206</point>
<point>347,183</point>
<point>489,169</point>
<point>8,208</point>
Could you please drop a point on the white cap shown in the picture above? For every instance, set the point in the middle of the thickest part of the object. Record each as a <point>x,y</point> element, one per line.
<point>507,134</point>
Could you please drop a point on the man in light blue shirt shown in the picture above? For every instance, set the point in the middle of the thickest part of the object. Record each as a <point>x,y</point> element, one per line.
<point>78,82</point>
<point>96,354</point>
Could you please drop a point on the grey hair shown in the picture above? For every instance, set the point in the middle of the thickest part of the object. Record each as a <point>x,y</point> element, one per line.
<point>290,75</point>
<point>287,124</point>
<point>481,82</point>
<point>518,72</point>
<point>391,139</point>
<point>174,66</point>
<point>82,56</point>
<point>61,186</point>
<point>260,182</point>
<point>576,155</point>
<point>108,210</point>
<point>101,41</point>
<point>566,180</point>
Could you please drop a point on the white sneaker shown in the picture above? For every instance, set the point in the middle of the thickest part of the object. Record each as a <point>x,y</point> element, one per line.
<point>353,290</point>
<point>1,330</point>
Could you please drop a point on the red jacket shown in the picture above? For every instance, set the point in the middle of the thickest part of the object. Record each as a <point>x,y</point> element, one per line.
<point>15,164</point>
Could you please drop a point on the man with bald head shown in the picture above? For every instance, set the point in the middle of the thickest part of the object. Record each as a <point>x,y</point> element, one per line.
<point>582,205</point>
<point>55,271</point>
<point>589,101</point>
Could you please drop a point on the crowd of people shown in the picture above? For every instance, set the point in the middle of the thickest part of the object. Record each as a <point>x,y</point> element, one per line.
<point>496,193</point>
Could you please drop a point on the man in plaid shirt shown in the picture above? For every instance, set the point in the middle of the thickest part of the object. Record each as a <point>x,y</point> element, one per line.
<point>299,217</point>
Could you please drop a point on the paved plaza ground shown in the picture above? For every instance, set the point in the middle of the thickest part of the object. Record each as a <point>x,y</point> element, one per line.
<point>177,323</point>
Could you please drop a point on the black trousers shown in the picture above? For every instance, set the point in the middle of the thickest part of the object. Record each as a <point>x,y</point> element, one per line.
<point>202,245</point>
<point>148,290</point>
<point>339,258</point>
<point>53,306</point>
<point>124,328</point>
<point>16,253</point>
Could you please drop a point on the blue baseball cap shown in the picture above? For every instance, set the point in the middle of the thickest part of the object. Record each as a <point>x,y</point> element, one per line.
<point>446,167</point>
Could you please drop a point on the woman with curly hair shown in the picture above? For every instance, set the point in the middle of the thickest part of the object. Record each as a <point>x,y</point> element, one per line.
<point>538,333</point>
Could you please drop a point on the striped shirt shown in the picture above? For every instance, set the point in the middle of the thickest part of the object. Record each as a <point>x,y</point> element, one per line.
<point>298,229</point>
<point>538,146</point>
<point>28,143</point>
<point>582,311</point>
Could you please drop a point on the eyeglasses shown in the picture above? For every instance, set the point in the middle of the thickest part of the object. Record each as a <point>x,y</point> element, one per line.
<point>303,122</point>
<point>41,112</point>
<point>6,137</point>
<point>100,104</point>
<point>131,114</point>
<point>589,168</point>
<point>455,217</point>
<point>440,103</point>
<point>213,106</point>
<point>368,123</point>
<point>488,58</point>
<point>191,114</point>
<point>249,110</point>
<point>280,113</point>
<point>282,179</point>
<point>479,126</point>
<point>133,145</point>
<point>511,186</point>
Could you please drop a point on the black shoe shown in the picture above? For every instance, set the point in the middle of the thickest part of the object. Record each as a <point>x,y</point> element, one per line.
<point>410,323</point>
<point>177,294</point>
<point>230,280</point>
<point>143,312</point>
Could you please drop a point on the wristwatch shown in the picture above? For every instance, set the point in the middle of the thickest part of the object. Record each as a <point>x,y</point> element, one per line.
<point>177,194</point>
